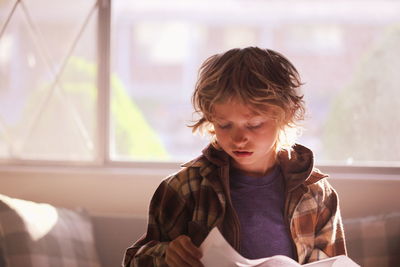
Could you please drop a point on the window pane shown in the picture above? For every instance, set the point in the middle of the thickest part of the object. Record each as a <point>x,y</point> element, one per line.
<point>346,52</point>
<point>48,74</point>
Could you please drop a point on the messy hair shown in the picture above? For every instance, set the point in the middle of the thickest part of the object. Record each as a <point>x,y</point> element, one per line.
<point>262,79</point>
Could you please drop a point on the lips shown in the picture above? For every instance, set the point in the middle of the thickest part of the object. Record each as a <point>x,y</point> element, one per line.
<point>242,153</point>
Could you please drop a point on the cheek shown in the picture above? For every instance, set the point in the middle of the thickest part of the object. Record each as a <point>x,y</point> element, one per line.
<point>222,136</point>
<point>269,136</point>
<point>271,133</point>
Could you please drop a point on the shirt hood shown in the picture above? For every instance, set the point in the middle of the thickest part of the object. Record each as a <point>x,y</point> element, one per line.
<point>297,166</point>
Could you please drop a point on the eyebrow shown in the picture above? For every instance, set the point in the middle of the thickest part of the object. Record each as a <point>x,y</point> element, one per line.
<point>257,117</point>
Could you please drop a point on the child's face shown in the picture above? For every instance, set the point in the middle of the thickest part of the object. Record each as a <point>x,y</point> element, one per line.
<point>249,138</point>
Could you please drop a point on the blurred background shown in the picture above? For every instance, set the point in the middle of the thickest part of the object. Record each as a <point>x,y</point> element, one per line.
<point>89,82</point>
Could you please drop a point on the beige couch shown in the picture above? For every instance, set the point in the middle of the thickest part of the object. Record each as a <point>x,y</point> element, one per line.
<point>371,241</point>
<point>114,234</point>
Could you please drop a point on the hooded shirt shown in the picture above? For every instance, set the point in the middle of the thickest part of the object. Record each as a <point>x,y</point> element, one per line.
<point>197,198</point>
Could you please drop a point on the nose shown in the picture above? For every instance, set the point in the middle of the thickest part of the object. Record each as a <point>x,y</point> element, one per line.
<point>239,137</point>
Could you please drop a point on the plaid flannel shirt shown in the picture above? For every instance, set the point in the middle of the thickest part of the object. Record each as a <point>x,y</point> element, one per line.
<point>197,198</point>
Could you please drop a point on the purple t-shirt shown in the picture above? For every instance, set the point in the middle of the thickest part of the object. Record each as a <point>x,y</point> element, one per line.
<point>259,204</point>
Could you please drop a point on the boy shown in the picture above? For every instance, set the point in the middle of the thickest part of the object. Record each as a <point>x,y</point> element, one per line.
<point>253,182</point>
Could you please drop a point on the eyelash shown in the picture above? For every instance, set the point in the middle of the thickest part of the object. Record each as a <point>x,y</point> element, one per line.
<point>223,126</point>
<point>255,126</point>
<point>251,127</point>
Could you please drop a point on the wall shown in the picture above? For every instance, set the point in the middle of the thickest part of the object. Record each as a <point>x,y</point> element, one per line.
<point>124,191</point>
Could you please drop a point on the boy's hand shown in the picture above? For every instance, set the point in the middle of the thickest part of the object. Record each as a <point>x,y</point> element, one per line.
<point>182,252</point>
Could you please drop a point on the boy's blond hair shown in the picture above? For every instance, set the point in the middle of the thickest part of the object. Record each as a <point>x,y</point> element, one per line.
<point>260,78</point>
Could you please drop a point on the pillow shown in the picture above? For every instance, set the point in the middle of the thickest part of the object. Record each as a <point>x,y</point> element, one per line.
<point>374,241</point>
<point>34,234</point>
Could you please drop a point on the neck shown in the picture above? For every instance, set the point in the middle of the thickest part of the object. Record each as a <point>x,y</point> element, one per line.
<point>260,171</point>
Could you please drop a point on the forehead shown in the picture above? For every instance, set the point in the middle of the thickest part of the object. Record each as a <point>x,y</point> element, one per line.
<point>235,109</point>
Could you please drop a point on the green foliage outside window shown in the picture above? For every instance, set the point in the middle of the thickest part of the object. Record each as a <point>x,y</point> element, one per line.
<point>134,137</point>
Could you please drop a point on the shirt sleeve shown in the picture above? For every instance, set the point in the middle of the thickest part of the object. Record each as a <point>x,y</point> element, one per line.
<point>168,214</point>
<point>329,240</point>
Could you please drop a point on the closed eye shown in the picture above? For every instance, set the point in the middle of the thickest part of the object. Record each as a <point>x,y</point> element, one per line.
<point>254,126</point>
<point>224,126</point>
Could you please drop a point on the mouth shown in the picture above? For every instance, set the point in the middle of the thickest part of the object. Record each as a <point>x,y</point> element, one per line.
<point>242,153</point>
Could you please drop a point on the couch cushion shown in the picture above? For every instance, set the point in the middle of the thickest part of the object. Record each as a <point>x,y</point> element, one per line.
<point>35,234</point>
<point>114,234</point>
<point>374,241</point>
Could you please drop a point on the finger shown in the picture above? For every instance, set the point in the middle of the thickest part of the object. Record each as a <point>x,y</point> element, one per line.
<point>187,255</point>
<point>180,251</point>
<point>175,258</point>
<point>188,245</point>
<point>190,253</point>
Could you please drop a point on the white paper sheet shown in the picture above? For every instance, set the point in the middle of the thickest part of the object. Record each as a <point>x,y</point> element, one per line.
<point>218,252</point>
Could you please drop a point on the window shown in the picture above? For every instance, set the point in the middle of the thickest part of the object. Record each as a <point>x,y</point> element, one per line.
<point>48,80</point>
<point>100,81</point>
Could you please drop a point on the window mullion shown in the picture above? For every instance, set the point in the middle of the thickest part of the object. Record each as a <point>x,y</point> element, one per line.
<point>103,80</point>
